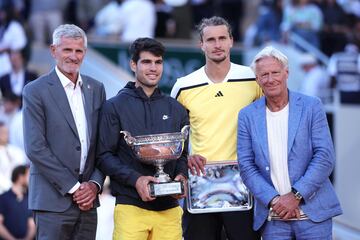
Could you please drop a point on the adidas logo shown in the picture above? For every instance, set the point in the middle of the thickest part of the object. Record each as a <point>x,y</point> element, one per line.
<point>219,94</point>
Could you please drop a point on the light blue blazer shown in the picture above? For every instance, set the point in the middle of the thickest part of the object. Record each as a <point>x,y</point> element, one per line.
<point>311,157</point>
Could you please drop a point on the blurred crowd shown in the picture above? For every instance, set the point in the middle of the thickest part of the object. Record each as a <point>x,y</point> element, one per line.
<point>332,26</point>
<point>326,24</point>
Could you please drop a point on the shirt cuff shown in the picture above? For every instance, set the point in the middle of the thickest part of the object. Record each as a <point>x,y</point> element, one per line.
<point>99,187</point>
<point>74,188</point>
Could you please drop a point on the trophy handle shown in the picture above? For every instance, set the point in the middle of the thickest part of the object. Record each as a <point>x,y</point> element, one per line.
<point>185,131</point>
<point>128,138</point>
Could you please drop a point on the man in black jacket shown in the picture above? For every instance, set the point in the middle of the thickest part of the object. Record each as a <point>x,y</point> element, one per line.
<point>140,108</point>
<point>14,82</point>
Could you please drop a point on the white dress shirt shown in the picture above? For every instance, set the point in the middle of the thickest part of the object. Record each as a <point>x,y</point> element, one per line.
<point>76,101</point>
<point>17,82</point>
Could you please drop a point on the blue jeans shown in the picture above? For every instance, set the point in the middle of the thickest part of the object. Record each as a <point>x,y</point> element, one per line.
<point>299,230</point>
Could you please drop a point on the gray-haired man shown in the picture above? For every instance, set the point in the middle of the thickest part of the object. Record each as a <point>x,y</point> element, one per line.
<point>61,112</point>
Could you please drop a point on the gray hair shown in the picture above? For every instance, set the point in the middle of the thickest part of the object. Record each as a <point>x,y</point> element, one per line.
<point>270,51</point>
<point>68,31</point>
<point>213,21</point>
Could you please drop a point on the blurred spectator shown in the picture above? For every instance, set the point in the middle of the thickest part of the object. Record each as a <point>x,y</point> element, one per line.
<point>10,157</point>
<point>16,134</point>
<point>131,18</point>
<point>11,104</point>
<point>106,20</point>
<point>19,8</point>
<point>70,12</point>
<point>351,6</point>
<point>333,34</point>
<point>231,10</point>
<point>316,80</point>
<point>16,220</point>
<point>45,16</point>
<point>105,212</point>
<point>182,15</point>
<point>355,31</point>
<point>86,11</point>
<point>304,19</point>
<point>201,9</point>
<point>268,22</point>
<point>165,24</point>
<point>12,35</point>
<point>138,19</point>
<point>14,82</point>
<point>344,68</point>
<point>83,12</point>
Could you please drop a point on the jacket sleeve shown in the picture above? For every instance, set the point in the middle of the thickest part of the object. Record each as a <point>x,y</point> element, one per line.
<point>36,144</point>
<point>323,158</point>
<point>108,160</point>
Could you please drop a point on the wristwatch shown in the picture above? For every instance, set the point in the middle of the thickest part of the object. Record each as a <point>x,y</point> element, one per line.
<point>297,195</point>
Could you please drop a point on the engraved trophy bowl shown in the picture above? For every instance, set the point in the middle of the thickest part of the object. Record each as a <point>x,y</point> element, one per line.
<point>158,149</point>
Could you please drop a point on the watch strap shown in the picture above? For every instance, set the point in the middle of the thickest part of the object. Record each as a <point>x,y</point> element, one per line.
<point>297,194</point>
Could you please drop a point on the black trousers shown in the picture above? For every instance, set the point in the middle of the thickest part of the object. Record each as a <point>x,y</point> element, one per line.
<point>213,226</point>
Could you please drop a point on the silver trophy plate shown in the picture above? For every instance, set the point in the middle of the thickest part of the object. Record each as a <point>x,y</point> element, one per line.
<point>220,190</point>
<point>157,150</point>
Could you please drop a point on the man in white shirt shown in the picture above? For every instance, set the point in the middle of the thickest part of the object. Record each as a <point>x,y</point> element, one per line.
<point>12,35</point>
<point>344,69</point>
<point>316,81</point>
<point>10,157</point>
<point>61,112</point>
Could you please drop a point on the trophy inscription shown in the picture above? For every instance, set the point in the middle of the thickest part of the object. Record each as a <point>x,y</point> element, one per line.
<point>158,149</point>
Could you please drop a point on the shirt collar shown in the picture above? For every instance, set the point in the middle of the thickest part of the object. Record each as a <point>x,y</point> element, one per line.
<point>19,73</point>
<point>65,81</point>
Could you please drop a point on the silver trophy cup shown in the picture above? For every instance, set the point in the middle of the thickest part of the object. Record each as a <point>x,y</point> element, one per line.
<point>158,149</point>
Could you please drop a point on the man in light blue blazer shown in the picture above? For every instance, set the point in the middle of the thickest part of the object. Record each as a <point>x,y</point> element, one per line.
<point>286,155</point>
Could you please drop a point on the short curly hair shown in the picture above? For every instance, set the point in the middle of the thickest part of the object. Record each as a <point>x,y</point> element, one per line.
<point>146,45</point>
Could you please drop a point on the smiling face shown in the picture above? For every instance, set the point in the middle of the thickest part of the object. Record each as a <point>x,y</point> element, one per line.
<point>216,43</point>
<point>148,70</point>
<point>272,77</point>
<point>69,54</point>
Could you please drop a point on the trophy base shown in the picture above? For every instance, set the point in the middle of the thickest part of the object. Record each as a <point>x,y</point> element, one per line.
<point>166,188</point>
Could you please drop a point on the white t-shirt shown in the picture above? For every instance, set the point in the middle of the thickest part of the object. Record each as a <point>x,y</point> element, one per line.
<point>277,131</point>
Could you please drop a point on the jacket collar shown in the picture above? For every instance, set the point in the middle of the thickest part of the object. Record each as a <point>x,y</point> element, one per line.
<point>295,110</point>
<point>139,92</point>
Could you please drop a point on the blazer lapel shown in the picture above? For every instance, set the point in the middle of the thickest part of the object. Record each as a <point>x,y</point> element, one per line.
<point>295,109</point>
<point>60,99</point>
<point>261,126</point>
<point>87,90</point>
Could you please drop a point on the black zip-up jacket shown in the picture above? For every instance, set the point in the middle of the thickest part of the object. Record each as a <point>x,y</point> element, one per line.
<point>131,110</point>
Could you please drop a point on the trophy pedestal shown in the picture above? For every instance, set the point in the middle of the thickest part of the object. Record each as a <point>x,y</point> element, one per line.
<point>166,188</point>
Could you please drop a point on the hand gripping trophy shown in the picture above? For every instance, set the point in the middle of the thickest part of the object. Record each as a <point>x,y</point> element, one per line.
<point>158,149</point>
